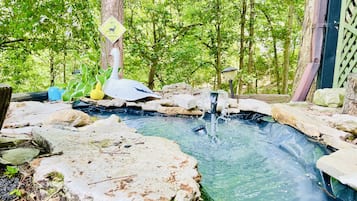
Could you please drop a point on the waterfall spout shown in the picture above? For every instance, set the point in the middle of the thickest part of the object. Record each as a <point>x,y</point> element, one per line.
<point>214,100</point>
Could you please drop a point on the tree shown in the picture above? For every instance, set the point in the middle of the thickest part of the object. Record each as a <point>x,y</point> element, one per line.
<point>287,42</point>
<point>113,8</point>
<point>56,28</point>
<point>156,31</point>
<point>251,46</point>
<point>242,43</point>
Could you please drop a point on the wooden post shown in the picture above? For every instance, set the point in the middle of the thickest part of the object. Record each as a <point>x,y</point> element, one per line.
<point>350,103</point>
<point>5,96</point>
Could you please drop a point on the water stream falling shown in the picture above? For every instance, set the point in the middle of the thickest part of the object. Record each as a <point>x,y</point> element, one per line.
<point>214,101</point>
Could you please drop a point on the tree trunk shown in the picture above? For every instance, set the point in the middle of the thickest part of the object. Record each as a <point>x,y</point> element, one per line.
<point>219,46</point>
<point>154,60</point>
<point>275,49</point>
<point>287,42</point>
<point>113,8</point>
<point>5,94</point>
<point>305,48</point>
<point>242,41</point>
<point>52,69</point>
<point>64,62</point>
<point>251,45</point>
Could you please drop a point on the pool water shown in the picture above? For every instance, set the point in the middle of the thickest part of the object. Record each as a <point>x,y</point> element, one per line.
<point>251,162</point>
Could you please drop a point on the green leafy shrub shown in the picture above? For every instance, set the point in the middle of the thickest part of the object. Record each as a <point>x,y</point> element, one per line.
<point>84,82</point>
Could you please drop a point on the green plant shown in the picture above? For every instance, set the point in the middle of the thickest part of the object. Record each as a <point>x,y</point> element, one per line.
<point>16,192</point>
<point>11,171</point>
<point>83,83</point>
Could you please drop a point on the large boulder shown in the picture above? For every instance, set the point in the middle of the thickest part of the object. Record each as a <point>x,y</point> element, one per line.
<point>329,97</point>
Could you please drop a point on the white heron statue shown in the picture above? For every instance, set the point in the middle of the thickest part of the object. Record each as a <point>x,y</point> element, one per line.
<point>130,90</point>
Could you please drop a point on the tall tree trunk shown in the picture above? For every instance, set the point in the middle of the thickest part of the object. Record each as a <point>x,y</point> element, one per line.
<point>113,8</point>
<point>64,62</point>
<point>52,69</point>
<point>154,59</point>
<point>306,41</point>
<point>242,41</point>
<point>275,50</point>
<point>219,45</point>
<point>251,44</point>
<point>287,42</point>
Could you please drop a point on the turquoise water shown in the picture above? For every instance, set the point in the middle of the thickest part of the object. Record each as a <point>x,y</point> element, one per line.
<point>251,162</point>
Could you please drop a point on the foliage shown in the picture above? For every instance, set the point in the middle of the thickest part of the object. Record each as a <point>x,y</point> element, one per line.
<point>11,171</point>
<point>84,82</point>
<point>43,42</point>
<point>16,192</point>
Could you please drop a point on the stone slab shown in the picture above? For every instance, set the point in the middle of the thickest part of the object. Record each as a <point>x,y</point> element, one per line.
<point>31,113</point>
<point>309,124</point>
<point>341,165</point>
<point>255,106</point>
<point>102,164</point>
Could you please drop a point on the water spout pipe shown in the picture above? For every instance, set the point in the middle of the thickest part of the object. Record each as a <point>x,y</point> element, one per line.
<point>213,98</point>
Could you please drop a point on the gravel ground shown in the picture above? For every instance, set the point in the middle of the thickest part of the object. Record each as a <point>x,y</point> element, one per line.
<point>6,186</point>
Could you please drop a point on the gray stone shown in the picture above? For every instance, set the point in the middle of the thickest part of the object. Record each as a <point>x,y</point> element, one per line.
<point>344,122</point>
<point>112,103</point>
<point>233,103</point>
<point>341,165</point>
<point>254,106</point>
<point>175,89</point>
<point>19,156</point>
<point>204,103</point>
<point>69,117</point>
<point>10,140</point>
<point>329,97</point>
<point>185,101</point>
<point>310,125</point>
<point>350,103</point>
<point>179,111</point>
<point>154,105</point>
<point>31,113</point>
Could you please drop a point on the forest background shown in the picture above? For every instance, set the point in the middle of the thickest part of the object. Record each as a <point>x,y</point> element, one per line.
<point>43,43</point>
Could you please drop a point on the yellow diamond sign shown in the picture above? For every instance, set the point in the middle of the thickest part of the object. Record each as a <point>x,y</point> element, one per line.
<point>112,29</point>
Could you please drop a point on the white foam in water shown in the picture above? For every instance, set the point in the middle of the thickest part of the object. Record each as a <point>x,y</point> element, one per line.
<point>251,163</point>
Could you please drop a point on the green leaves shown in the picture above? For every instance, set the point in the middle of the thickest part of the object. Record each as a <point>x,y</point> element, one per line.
<point>11,171</point>
<point>83,83</point>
